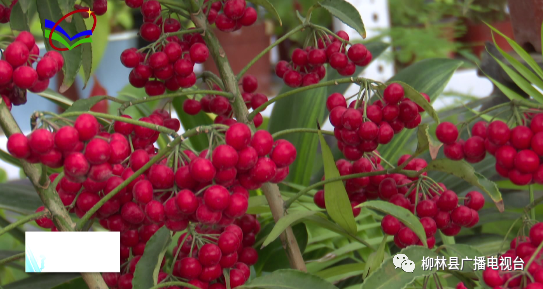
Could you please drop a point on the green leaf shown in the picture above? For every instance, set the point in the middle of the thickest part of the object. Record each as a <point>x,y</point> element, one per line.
<point>301,111</point>
<point>3,176</point>
<point>402,214</point>
<point>9,158</point>
<point>72,58</point>
<point>16,233</point>
<point>146,274</point>
<point>341,272</point>
<point>336,199</point>
<point>466,252</point>
<point>284,223</point>
<point>66,6</point>
<point>507,91</point>
<point>345,12</point>
<point>522,69</point>
<point>269,7</point>
<point>465,171</point>
<point>19,198</point>
<point>86,50</point>
<point>423,138</point>
<point>273,257</point>
<point>25,4</point>
<point>417,98</point>
<point>43,281</point>
<point>521,52</point>
<point>57,98</point>
<point>375,259</point>
<point>288,279</point>
<point>520,81</point>
<point>19,19</point>
<point>325,223</point>
<point>77,283</point>
<point>387,277</point>
<point>84,104</point>
<point>201,141</point>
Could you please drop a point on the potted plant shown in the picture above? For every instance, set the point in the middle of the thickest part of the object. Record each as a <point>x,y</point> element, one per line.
<point>421,29</point>
<point>476,13</point>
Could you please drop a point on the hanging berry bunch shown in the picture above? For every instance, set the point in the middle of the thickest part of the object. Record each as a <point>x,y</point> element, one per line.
<point>207,191</point>
<point>362,126</point>
<point>307,64</point>
<point>517,150</point>
<point>17,74</point>
<point>235,14</point>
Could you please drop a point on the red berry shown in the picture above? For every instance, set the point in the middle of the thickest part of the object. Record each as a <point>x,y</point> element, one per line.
<point>299,57</point>
<point>87,126</point>
<point>407,237</point>
<point>25,77</point>
<point>498,132</point>
<point>492,277</point>
<point>188,268</point>
<point>474,200</point>
<point>47,67</point>
<point>202,170</point>
<point>238,136</point>
<point>521,137</point>
<point>461,216</point>
<point>149,31</point>
<point>390,225</point>
<point>448,201</point>
<point>393,93</point>
<point>446,133</point>
<point>526,161</point>
<point>292,78</point>
<point>161,176</point>
<point>151,9</point>
<point>249,83</point>
<point>224,156</point>
<point>338,60</point>
<point>18,145</point>
<point>199,52</point>
<point>283,153</point>
<point>216,198</point>
<point>16,53</point>
<point>248,256</point>
<point>474,147</point>
<point>249,17</point>
<point>426,208</point>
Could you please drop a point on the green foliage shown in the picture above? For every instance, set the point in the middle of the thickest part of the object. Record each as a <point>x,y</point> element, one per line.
<point>146,274</point>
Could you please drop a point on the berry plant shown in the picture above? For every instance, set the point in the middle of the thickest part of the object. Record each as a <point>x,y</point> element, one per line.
<point>240,200</point>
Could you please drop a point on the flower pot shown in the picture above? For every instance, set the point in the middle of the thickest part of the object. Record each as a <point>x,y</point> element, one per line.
<point>478,33</point>
<point>241,47</point>
<point>526,17</point>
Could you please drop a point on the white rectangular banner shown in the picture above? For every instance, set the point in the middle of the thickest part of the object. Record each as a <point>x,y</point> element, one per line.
<point>72,252</point>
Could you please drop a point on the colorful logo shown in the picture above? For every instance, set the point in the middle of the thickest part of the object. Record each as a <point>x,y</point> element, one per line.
<point>53,31</point>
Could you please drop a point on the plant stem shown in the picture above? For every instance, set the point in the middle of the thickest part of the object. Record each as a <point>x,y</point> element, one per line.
<point>298,130</point>
<point>487,111</point>
<point>12,258</point>
<point>346,177</point>
<point>22,221</point>
<point>301,89</point>
<point>47,193</point>
<point>261,54</point>
<point>532,210</point>
<point>172,95</point>
<point>273,195</point>
<point>158,128</point>
<point>155,159</point>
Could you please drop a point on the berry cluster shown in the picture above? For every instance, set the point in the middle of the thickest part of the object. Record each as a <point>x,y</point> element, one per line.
<point>171,64</point>
<point>517,151</point>
<point>360,128</point>
<point>206,192</point>
<point>236,14</point>
<point>221,106</point>
<point>99,7</point>
<point>521,249</point>
<point>16,71</point>
<point>436,206</point>
<point>307,65</point>
<point>201,255</point>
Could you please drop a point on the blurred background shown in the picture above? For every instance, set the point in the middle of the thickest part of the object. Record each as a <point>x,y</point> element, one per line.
<point>416,30</point>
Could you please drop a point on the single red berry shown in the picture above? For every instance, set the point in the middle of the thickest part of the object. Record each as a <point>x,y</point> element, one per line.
<point>447,133</point>
<point>238,136</point>
<point>526,161</point>
<point>248,256</point>
<point>202,170</point>
<point>188,268</point>
<point>25,77</point>
<point>283,153</point>
<point>18,145</point>
<point>407,237</point>
<point>292,78</point>
<point>492,277</point>
<point>161,176</point>
<point>390,225</point>
<point>249,17</point>
<point>299,57</point>
<point>216,198</point>
<point>41,140</point>
<point>474,147</point>
<point>448,201</point>
<point>498,132</point>
<point>393,93</point>
<point>461,216</point>
<point>224,156</point>
<point>249,83</point>
<point>426,208</point>
<point>429,225</point>
<point>87,126</point>
<point>521,137</point>
<point>234,9</point>
<point>474,200</point>
<point>338,60</point>
<point>16,53</point>
<point>151,9</point>
<point>199,52</point>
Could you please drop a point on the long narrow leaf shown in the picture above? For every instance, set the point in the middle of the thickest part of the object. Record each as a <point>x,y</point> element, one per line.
<point>506,90</point>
